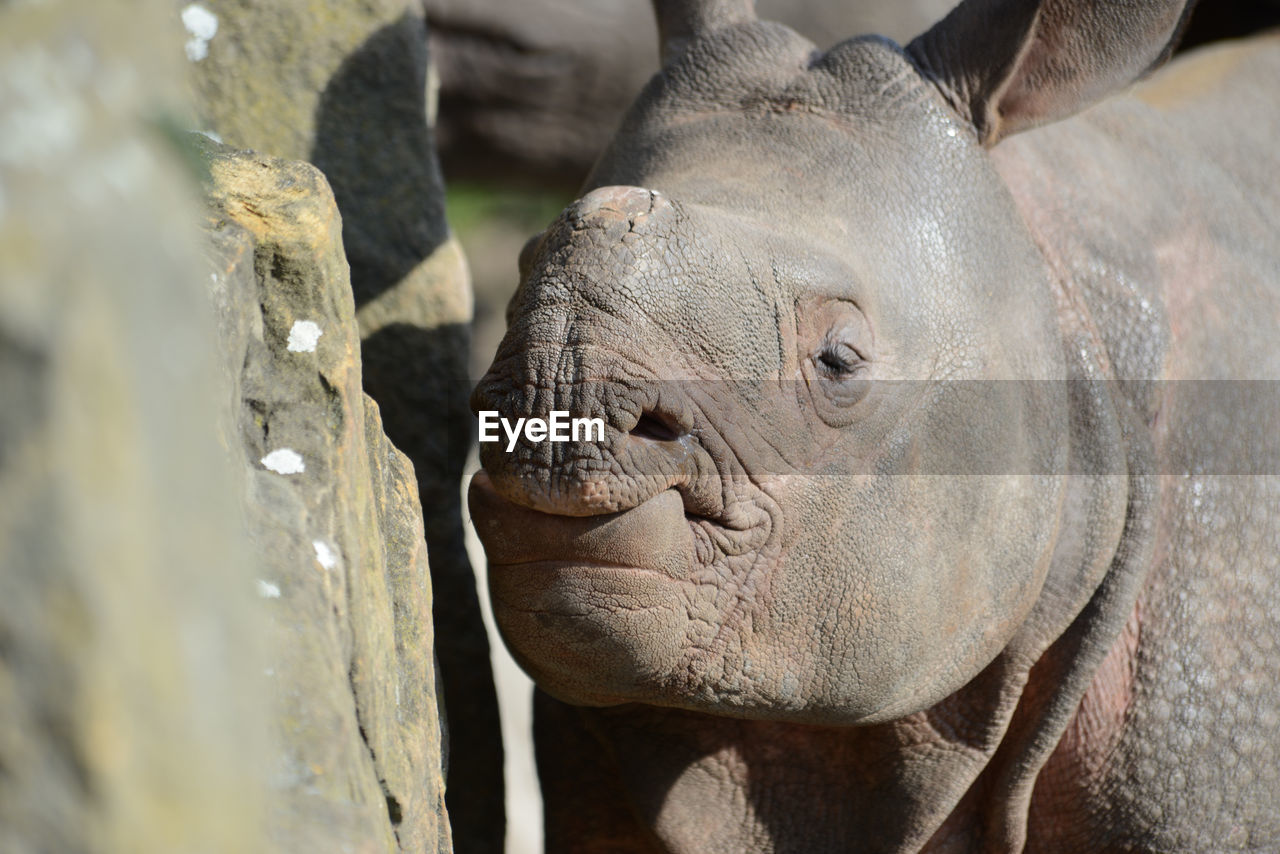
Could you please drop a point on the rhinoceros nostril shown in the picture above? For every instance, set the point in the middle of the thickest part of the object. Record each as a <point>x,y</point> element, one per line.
<point>655,428</point>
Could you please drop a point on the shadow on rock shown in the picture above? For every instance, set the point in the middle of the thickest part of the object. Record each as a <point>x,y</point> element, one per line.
<point>375,145</point>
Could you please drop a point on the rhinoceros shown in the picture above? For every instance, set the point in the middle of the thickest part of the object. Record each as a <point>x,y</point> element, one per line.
<point>937,505</point>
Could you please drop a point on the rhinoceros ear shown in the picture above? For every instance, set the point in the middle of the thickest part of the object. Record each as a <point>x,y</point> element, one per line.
<point>679,21</point>
<point>1010,65</point>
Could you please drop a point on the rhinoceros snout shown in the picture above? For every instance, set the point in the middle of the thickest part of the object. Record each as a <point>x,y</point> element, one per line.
<point>616,446</point>
<point>588,340</point>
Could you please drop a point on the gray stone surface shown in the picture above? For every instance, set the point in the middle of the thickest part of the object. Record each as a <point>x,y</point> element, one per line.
<point>347,88</point>
<point>130,697</point>
<point>356,759</point>
<point>199,651</point>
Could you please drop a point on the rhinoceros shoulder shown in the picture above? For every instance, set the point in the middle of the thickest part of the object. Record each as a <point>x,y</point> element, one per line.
<point>1160,210</point>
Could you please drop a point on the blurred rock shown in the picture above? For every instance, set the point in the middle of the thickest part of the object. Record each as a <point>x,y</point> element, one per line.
<point>346,87</point>
<point>131,701</point>
<point>356,759</point>
<point>531,90</point>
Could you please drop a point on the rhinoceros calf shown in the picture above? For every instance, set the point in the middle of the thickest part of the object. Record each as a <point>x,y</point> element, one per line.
<point>920,522</point>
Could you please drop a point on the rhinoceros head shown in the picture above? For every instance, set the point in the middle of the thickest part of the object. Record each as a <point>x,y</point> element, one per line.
<point>824,347</point>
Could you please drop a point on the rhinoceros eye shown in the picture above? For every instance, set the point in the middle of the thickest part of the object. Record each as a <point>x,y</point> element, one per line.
<point>837,357</point>
<point>838,360</point>
<point>841,374</point>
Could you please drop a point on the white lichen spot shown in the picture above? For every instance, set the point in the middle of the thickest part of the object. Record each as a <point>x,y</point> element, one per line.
<point>208,134</point>
<point>284,461</point>
<point>303,336</point>
<point>203,26</point>
<point>324,554</point>
<point>267,590</point>
<point>951,131</point>
<point>197,49</point>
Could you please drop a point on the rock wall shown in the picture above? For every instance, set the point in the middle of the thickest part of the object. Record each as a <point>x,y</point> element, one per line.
<point>215,602</point>
<point>356,750</point>
<point>131,698</point>
<point>347,87</point>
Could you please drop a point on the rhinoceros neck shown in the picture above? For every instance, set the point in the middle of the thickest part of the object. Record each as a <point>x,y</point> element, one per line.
<point>684,783</point>
<point>698,783</point>
<point>958,777</point>
<point>962,770</point>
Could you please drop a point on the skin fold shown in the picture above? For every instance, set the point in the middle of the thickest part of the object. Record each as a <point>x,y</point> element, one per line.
<point>912,528</point>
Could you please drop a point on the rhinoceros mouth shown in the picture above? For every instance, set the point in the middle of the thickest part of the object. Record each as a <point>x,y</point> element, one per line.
<point>619,607</point>
<point>654,536</point>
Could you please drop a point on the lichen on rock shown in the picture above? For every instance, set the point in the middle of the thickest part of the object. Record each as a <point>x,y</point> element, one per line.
<point>348,88</point>
<point>356,737</point>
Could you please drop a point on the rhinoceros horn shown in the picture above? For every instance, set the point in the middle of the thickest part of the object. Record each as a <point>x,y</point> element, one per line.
<point>682,20</point>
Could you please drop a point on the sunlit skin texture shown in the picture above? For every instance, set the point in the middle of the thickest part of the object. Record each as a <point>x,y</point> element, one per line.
<point>823,587</point>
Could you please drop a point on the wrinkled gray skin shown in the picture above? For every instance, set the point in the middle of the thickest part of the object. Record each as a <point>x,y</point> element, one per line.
<point>821,588</point>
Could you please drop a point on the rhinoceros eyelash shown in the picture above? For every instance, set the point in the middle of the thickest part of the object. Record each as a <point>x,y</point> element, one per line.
<point>837,359</point>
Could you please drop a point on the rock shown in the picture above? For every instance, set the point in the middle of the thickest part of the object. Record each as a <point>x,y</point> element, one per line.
<point>346,88</point>
<point>531,91</point>
<point>130,697</point>
<point>356,755</point>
